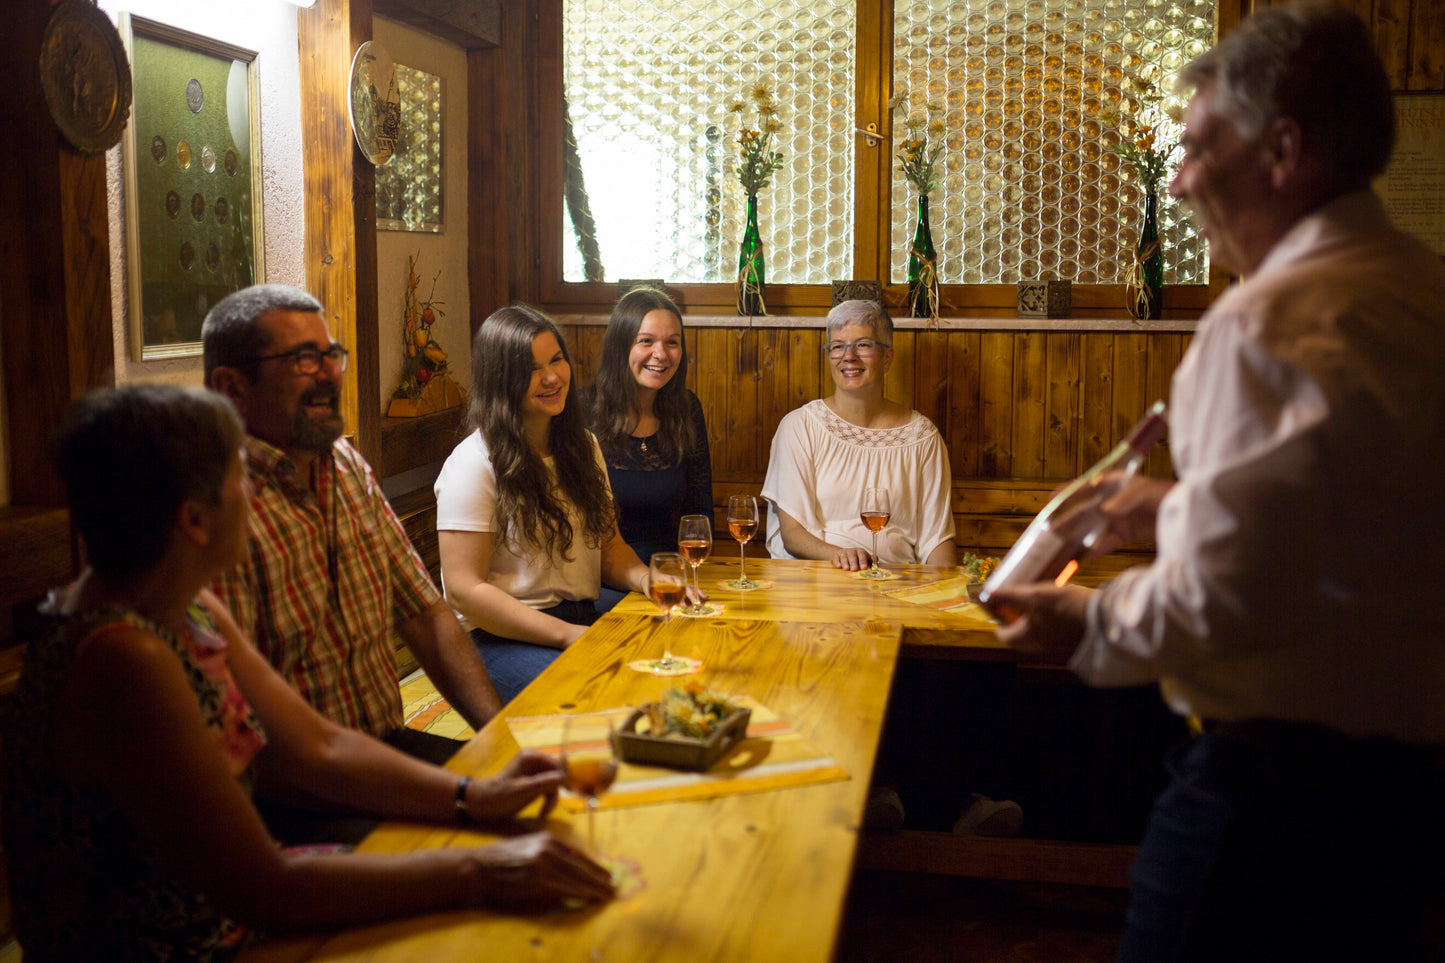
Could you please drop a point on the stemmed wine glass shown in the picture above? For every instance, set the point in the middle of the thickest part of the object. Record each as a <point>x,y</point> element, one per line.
<point>589,765</point>
<point>743,523</point>
<point>667,585</point>
<point>694,542</point>
<point>875,510</point>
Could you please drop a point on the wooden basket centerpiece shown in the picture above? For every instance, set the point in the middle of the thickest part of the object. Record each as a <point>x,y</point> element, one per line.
<point>688,728</point>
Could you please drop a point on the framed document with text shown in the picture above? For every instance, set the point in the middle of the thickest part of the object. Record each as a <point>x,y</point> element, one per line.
<point>1413,186</point>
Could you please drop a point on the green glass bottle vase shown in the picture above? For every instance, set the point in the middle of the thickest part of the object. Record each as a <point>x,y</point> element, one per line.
<point>1146,288</point>
<point>922,267</point>
<point>751,271</point>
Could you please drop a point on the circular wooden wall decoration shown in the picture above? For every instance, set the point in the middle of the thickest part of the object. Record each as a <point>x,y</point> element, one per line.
<point>375,102</point>
<point>86,76</point>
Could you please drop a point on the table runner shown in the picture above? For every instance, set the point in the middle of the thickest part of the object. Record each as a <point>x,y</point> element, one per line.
<point>946,595</point>
<point>773,755</point>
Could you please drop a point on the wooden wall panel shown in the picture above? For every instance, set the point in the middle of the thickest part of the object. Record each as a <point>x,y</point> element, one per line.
<point>960,427</point>
<point>1030,397</point>
<point>1427,46</point>
<point>712,363</point>
<point>742,395</point>
<point>1131,382</point>
<point>995,401</point>
<point>1061,436</point>
<point>773,398</point>
<point>931,377</point>
<point>806,372</point>
<point>899,382</point>
<point>1096,397</point>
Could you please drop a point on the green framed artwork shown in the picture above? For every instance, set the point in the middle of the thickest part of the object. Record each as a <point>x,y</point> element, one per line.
<point>192,165</point>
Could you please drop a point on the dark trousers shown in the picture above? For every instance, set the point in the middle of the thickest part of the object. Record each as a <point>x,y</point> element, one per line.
<point>512,664</point>
<point>296,825</point>
<point>1290,842</point>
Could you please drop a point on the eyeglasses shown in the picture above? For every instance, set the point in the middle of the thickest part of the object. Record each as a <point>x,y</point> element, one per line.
<point>307,360</point>
<point>865,348</point>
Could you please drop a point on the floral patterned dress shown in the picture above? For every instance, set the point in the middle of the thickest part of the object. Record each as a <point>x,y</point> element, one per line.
<point>83,882</point>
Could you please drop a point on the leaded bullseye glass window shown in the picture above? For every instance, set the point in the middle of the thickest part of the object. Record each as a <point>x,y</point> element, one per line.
<point>650,191</point>
<point>1030,188</point>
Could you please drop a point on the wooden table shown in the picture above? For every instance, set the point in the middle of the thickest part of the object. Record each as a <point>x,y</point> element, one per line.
<point>743,877</point>
<point>816,592</point>
<point>807,591</point>
<point>760,876</point>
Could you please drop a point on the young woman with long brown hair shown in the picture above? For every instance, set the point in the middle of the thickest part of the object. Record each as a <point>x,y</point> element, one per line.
<point>650,426</point>
<point>525,520</point>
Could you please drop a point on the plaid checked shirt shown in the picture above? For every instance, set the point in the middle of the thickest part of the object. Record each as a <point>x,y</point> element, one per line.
<point>330,573</point>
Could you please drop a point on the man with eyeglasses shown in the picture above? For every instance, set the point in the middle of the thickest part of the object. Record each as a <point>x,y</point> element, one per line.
<point>330,574</point>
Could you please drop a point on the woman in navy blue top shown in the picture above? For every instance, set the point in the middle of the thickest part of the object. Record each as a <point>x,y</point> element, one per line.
<point>651,428</point>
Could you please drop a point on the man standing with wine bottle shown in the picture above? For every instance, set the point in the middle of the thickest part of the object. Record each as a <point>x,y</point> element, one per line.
<point>1293,608</point>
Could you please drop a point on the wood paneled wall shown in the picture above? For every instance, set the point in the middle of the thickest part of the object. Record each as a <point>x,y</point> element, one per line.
<point>1409,37</point>
<point>1020,410</point>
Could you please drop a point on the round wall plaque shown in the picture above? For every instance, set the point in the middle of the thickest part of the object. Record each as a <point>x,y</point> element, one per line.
<point>86,76</point>
<point>375,103</point>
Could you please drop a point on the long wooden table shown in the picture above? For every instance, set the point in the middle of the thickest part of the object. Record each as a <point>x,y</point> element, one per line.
<point>759,876</point>
<point>816,592</point>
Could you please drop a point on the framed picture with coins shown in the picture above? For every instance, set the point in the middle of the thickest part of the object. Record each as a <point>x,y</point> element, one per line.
<point>191,157</point>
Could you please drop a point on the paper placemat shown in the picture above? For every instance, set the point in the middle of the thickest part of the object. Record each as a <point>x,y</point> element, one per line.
<point>771,756</point>
<point>946,595</point>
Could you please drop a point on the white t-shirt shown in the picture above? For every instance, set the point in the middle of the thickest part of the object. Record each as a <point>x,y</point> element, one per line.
<point>820,465</point>
<point>466,493</point>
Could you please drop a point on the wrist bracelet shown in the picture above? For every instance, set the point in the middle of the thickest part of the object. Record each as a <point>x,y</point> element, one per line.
<point>463,816</point>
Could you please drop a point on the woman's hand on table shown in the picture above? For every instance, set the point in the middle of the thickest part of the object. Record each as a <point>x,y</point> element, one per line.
<point>851,559</point>
<point>538,868</point>
<point>530,774</point>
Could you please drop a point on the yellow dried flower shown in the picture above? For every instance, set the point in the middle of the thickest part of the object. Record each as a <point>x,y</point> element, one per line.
<point>756,163</point>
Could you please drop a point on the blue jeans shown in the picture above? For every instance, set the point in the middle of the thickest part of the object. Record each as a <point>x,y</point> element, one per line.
<point>512,664</point>
<point>1289,842</point>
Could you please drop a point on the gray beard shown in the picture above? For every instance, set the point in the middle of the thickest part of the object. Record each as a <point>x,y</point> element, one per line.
<point>314,436</point>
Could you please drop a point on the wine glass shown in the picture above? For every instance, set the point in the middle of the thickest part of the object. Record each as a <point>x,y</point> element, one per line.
<point>694,542</point>
<point>667,585</point>
<point>875,510</point>
<point>743,523</point>
<point>589,764</point>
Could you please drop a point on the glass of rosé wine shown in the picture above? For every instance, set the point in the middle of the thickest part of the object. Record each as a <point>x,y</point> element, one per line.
<point>589,764</point>
<point>743,524</point>
<point>694,543</point>
<point>667,587</point>
<point>874,511</point>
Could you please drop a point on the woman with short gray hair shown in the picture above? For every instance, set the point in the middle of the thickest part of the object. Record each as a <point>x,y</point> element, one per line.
<point>825,453</point>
